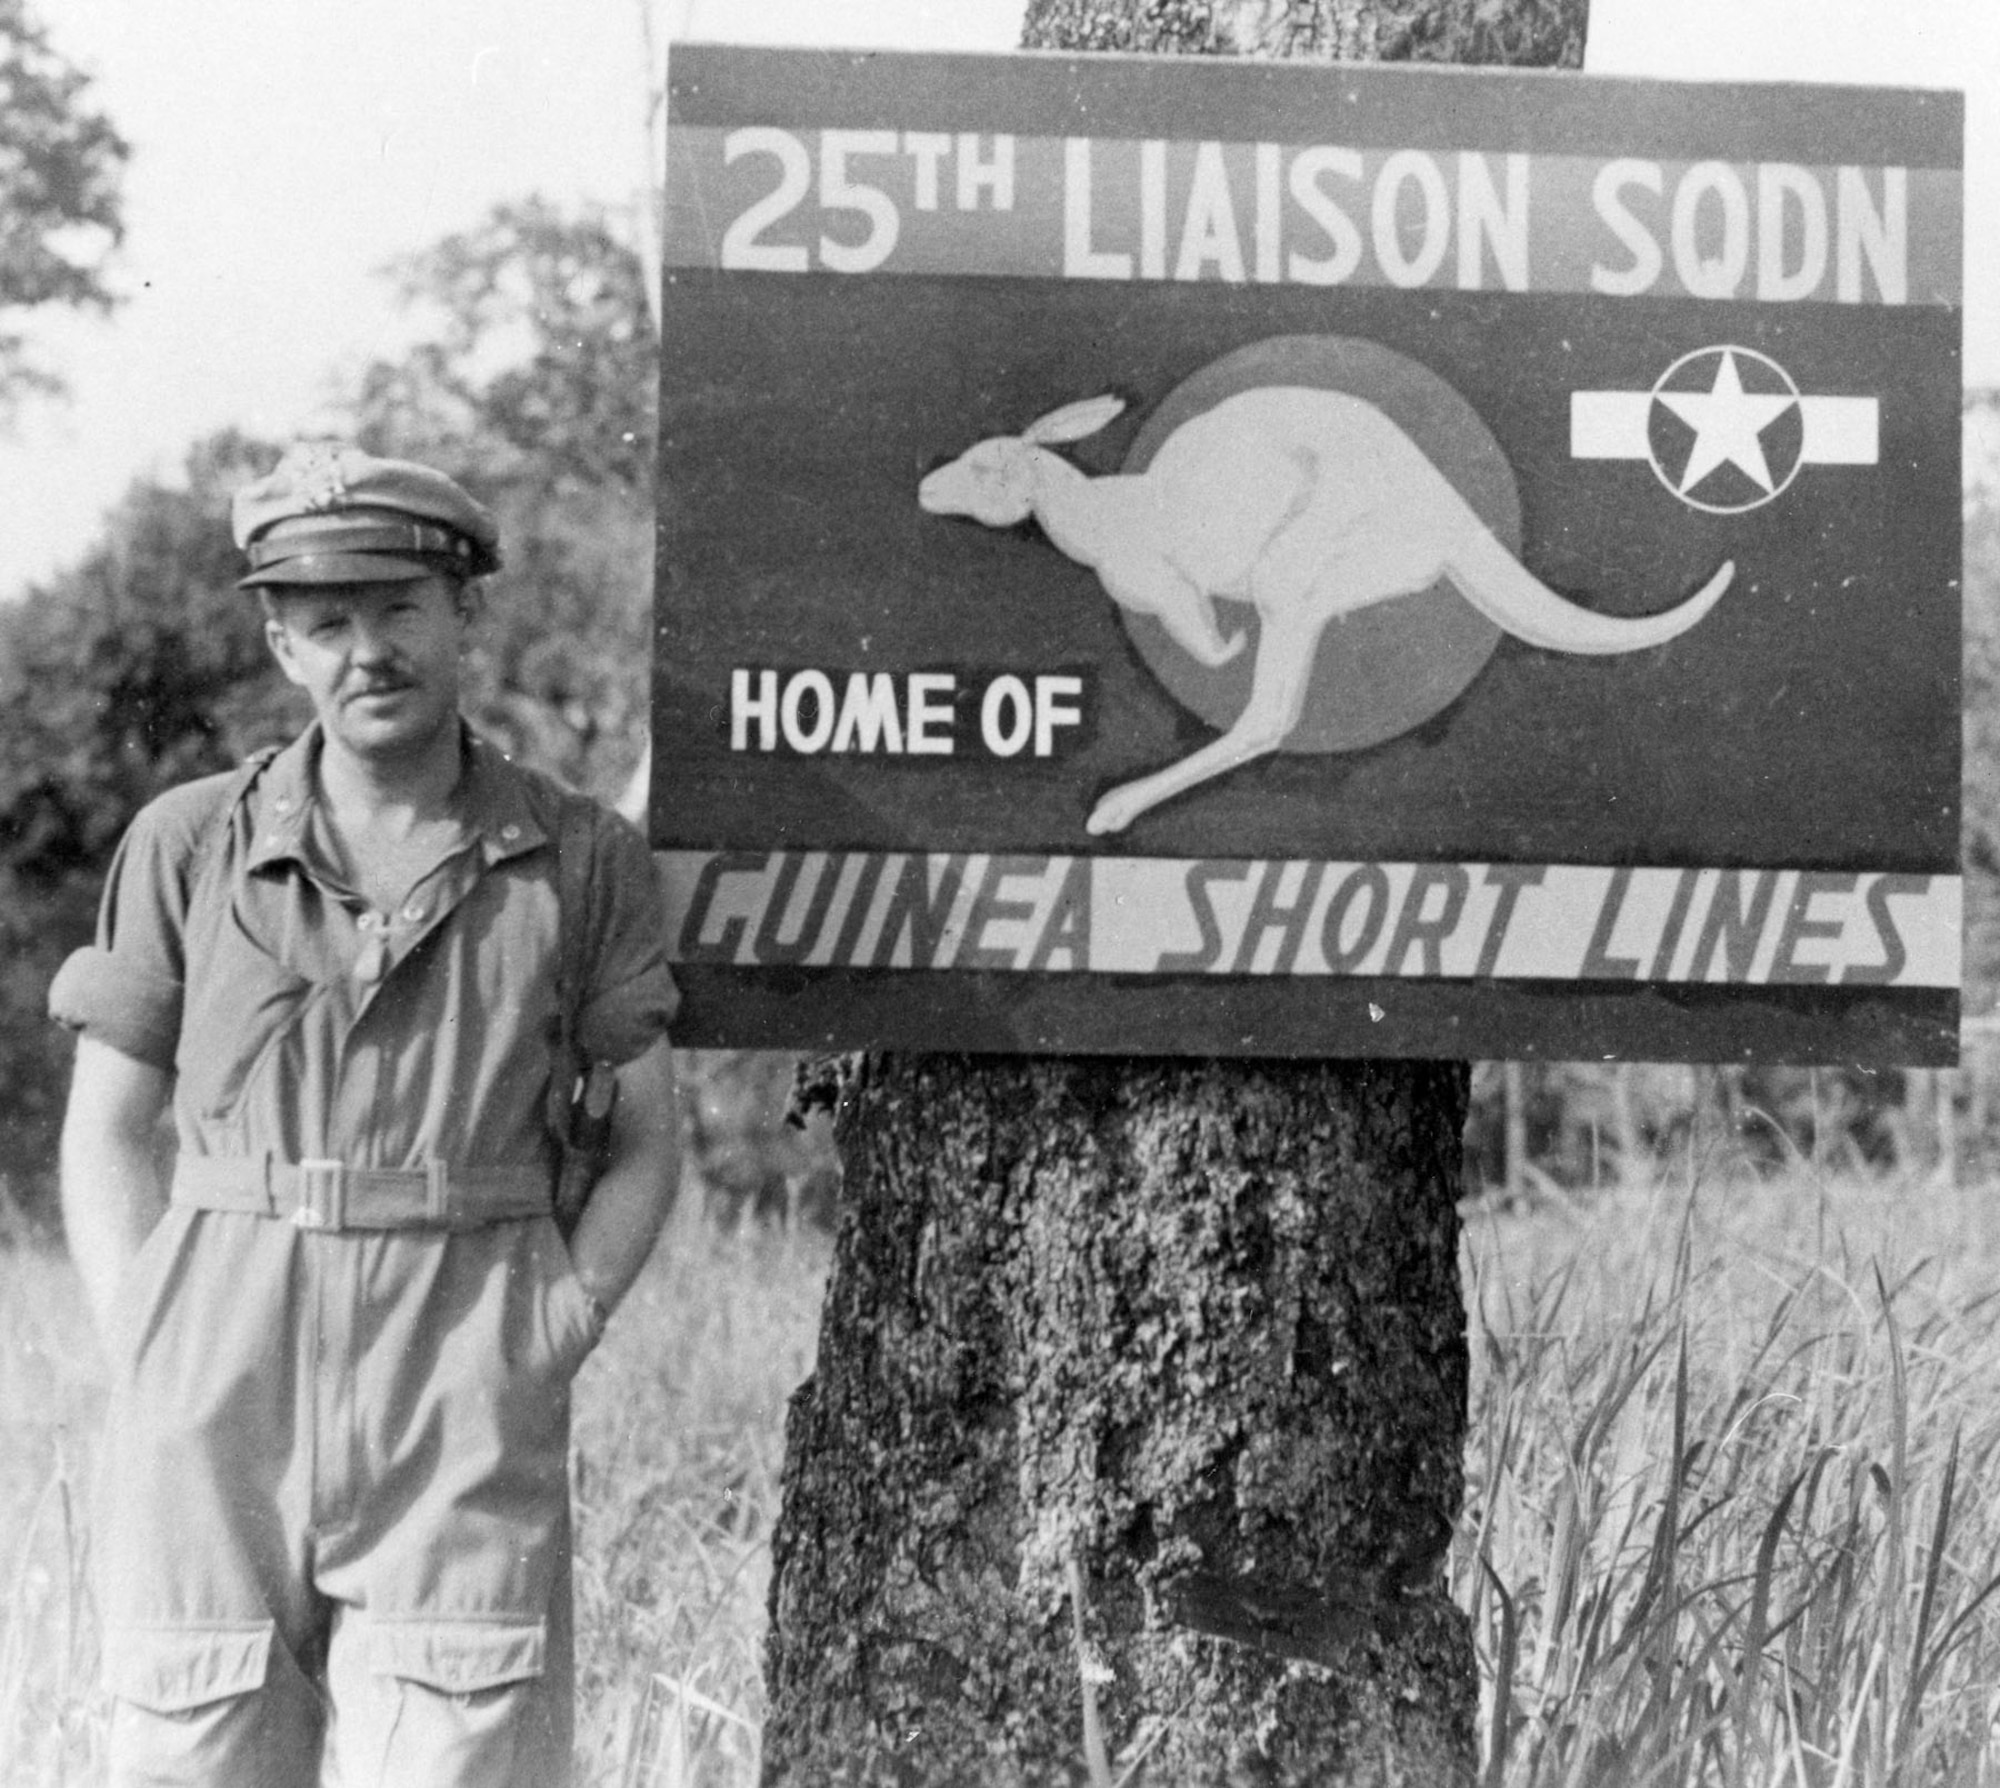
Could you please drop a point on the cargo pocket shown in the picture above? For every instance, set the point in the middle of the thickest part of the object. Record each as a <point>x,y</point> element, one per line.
<point>458,1657</point>
<point>462,1701</point>
<point>182,1668</point>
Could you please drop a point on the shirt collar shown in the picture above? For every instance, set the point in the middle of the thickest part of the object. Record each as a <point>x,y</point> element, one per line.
<point>493,804</point>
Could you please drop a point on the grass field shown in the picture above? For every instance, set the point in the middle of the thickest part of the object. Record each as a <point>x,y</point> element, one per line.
<point>1730,1516</point>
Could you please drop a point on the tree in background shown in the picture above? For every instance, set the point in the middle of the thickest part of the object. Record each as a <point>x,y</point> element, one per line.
<point>534,379</point>
<point>60,163</point>
<point>1980,822</point>
<point>1982,711</point>
<point>142,666</point>
<point>1138,1416</point>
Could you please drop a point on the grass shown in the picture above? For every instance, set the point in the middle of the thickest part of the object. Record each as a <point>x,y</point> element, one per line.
<point>1728,1517</point>
<point>680,1437</point>
<point>51,1719</point>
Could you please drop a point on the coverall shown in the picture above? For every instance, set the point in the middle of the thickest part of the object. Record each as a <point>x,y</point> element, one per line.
<point>334,1505</point>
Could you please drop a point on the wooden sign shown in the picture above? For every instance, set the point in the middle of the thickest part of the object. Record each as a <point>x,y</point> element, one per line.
<point>1200,557</point>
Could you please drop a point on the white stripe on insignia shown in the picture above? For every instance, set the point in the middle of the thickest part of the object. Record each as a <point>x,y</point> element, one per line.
<point>1609,424</point>
<point>1719,443</point>
<point>1839,431</point>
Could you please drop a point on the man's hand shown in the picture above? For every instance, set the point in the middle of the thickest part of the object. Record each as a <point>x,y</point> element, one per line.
<point>637,1189</point>
<point>111,1195</point>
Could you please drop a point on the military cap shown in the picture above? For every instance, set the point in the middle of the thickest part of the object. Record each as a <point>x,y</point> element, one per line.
<point>331,514</point>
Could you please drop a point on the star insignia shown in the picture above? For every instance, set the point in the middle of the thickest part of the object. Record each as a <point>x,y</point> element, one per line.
<point>1728,424</point>
<point>1726,428</point>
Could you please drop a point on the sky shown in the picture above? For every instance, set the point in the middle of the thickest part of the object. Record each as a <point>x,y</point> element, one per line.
<point>282,155</point>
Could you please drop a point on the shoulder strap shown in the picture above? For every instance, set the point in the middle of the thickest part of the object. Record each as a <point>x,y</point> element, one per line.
<point>576,865</point>
<point>234,791</point>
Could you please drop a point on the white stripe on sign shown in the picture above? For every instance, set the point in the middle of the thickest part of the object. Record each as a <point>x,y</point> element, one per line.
<point>1841,431</point>
<point>1837,431</point>
<point>1609,424</point>
<point>1305,917</point>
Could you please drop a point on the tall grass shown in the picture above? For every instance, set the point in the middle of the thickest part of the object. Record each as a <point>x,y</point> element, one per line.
<point>1730,1517</point>
<point>51,1722</point>
<point>680,1437</point>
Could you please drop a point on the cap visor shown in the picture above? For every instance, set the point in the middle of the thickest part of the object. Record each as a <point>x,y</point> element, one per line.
<point>340,568</point>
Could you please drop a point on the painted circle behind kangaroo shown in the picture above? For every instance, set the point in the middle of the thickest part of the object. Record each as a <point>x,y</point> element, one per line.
<point>1380,670</point>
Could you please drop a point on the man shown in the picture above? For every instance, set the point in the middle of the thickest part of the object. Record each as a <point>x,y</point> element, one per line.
<point>341,1334</point>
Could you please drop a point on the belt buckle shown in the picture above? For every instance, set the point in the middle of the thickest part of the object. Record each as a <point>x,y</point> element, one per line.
<point>322,1195</point>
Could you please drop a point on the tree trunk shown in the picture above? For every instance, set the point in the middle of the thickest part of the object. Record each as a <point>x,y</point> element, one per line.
<point>1137,1423</point>
<point>1191,1332</point>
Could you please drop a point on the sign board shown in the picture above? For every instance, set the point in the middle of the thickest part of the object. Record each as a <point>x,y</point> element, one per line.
<point>1189,556</point>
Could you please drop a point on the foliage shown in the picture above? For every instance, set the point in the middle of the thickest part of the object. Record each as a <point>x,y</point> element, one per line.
<point>141,667</point>
<point>534,380</point>
<point>757,1154</point>
<point>680,1435</point>
<point>135,670</point>
<point>60,163</point>
<point>1723,1525</point>
<point>39,926</point>
<point>1586,1124</point>
<point>1982,710</point>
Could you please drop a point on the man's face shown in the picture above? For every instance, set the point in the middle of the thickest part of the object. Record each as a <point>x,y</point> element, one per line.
<point>380,661</point>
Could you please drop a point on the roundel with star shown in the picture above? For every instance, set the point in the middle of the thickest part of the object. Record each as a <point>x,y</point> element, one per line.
<point>1725,429</point>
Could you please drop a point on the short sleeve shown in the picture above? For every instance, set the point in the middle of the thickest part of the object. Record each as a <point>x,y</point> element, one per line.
<point>125,989</point>
<point>631,997</point>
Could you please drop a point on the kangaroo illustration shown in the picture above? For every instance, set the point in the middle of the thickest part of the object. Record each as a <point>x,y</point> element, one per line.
<point>1304,503</point>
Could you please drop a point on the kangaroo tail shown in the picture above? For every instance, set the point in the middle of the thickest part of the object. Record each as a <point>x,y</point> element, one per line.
<point>1502,589</point>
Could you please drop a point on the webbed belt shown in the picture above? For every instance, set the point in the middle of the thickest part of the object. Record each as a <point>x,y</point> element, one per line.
<point>330,1195</point>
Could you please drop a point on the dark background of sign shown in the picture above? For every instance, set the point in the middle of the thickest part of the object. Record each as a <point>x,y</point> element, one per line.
<point>1809,721</point>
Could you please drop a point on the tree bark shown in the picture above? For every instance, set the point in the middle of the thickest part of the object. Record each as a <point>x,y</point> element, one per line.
<point>1186,1338</point>
<point>1136,1429</point>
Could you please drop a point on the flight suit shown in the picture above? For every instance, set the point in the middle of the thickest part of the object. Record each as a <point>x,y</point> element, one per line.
<point>334,1503</point>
